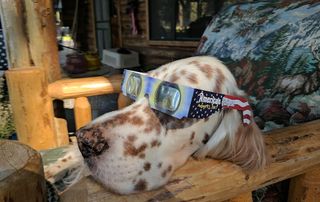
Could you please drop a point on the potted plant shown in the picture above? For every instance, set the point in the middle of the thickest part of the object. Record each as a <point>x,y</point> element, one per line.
<point>7,128</point>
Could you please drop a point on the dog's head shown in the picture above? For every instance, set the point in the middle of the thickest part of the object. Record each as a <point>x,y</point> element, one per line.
<point>138,148</point>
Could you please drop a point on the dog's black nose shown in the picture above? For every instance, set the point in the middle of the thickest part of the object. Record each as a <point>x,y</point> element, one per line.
<point>91,141</point>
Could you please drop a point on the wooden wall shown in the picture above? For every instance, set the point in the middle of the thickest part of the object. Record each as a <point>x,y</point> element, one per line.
<point>150,55</point>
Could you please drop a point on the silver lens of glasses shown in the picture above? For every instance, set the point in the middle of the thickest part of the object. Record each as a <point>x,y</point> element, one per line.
<point>168,97</point>
<point>134,85</point>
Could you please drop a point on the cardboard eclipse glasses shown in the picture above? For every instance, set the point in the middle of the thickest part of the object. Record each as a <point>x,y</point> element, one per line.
<point>181,101</point>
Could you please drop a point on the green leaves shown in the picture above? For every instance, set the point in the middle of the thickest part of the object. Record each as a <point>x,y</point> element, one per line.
<point>6,118</point>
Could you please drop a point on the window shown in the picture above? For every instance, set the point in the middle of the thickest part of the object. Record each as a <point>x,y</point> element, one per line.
<point>179,20</point>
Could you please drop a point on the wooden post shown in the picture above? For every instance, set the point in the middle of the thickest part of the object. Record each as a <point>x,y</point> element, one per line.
<point>32,107</point>
<point>30,35</point>
<point>305,187</point>
<point>123,101</point>
<point>82,111</point>
<point>21,176</point>
<point>61,131</point>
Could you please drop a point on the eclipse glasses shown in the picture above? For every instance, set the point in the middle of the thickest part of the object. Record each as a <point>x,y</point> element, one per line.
<point>181,101</point>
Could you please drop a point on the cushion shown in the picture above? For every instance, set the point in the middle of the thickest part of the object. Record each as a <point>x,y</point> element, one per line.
<point>273,49</point>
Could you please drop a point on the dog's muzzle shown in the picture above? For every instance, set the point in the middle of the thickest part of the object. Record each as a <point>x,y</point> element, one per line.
<point>91,142</point>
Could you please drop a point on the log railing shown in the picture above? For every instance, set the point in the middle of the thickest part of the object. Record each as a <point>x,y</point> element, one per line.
<point>294,153</point>
<point>80,89</point>
<point>31,98</point>
<point>84,87</point>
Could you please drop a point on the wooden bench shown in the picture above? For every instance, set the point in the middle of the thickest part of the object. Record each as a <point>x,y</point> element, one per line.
<point>294,152</point>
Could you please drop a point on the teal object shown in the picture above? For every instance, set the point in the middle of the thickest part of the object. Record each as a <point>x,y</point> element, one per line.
<point>273,50</point>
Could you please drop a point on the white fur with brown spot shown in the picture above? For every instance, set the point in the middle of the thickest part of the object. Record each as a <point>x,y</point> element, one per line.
<point>117,145</point>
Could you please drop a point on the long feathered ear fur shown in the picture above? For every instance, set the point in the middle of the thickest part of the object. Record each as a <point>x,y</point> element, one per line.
<point>232,141</point>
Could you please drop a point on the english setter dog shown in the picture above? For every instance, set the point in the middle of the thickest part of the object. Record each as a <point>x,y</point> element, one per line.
<point>138,148</point>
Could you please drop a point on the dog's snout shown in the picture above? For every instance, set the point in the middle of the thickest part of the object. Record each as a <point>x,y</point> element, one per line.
<point>91,141</point>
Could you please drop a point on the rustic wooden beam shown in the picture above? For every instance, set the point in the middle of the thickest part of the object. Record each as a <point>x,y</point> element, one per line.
<point>32,107</point>
<point>123,101</point>
<point>293,151</point>
<point>22,177</point>
<point>84,87</point>
<point>14,31</point>
<point>61,130</point>
<point>305,187</point>
<point>30,35</point>
<point>82,111</point>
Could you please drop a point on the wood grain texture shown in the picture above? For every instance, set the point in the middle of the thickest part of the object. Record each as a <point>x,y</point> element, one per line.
<point>293,151</point>
<point>15,38</point>
<point>30,35</point>
<point>32,107</point>
<point>82,111</point>
<point>123,101</point>
<point>83,87</point>
<point>305,187</point>
<point>77,193</point>
<point>21,173</point>
<point>61,130</point>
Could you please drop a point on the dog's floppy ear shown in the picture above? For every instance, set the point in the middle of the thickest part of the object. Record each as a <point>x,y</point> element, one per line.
<point>235,142</point>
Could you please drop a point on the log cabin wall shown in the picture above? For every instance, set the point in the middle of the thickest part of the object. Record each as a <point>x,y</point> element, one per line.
<point>151,55</point>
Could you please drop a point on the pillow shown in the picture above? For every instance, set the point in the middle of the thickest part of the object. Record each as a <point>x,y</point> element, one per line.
<point>273,49</point>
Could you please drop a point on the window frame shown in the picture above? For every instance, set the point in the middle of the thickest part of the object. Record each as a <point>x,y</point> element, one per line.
<point>181,43</point>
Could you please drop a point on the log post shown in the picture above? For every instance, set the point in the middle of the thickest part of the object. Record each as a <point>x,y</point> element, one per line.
<point>61,127</point>
<point>30,35</point>
<point>21,173</point>
<point>30,38</point>
<point>32,107</point>
<point>123,101</point>
<point>305,187</point>
<point>82,111</point>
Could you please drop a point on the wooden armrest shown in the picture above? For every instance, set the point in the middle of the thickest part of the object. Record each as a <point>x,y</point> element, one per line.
<point>293,150</point>
<point>83,87</point>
